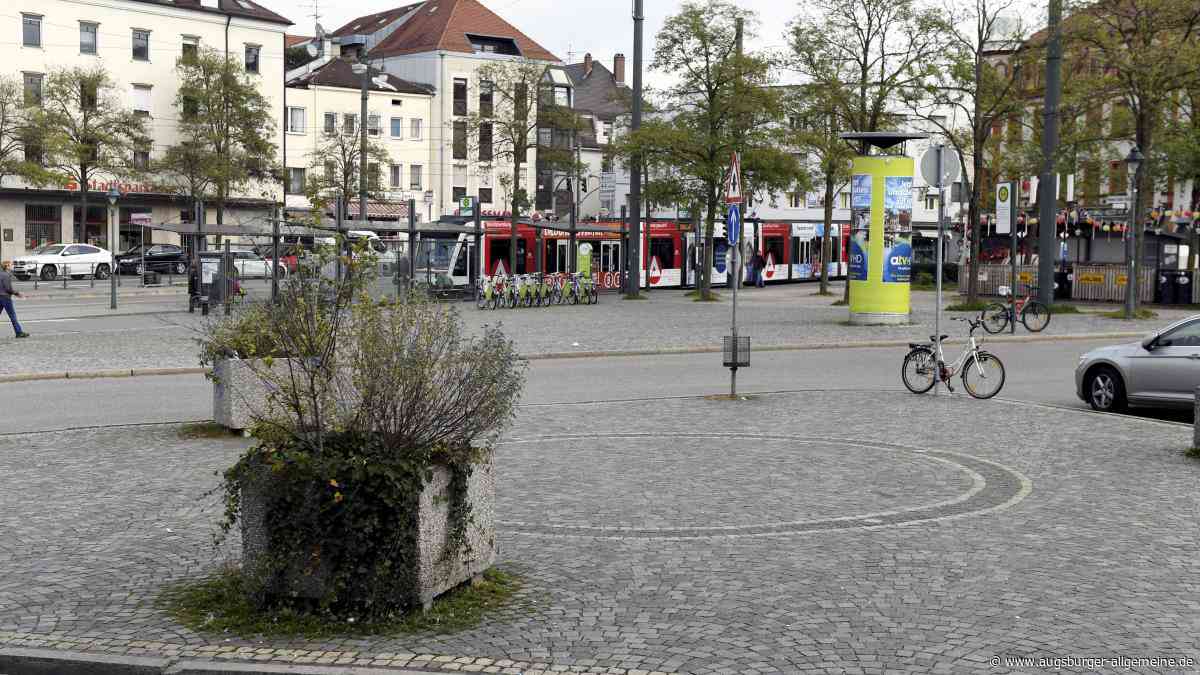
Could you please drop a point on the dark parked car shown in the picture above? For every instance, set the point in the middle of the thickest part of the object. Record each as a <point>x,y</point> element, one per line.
<point>165,258</point>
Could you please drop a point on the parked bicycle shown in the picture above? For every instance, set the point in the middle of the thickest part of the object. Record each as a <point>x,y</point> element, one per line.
<point>982,372</point>
<point>1034,314</point>
<point>485,293</point>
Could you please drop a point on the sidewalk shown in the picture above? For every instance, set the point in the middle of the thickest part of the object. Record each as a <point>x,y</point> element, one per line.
<point>775,317</point>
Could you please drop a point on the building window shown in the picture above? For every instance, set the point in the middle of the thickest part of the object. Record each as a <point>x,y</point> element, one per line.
<point>141,45</point>
<point>330,123</point>
<point>562,96</point>
<point>485,142</point>
<point>458,193</point>
<point>373,123</point>
<point>486,107</point>
<point>460,140</point>
<point>844,199</point>
<point>545,137</point>
<point>31,26</point>
<point>414,130</point>
<point>349,124</point>
<point>297,121</point>
<point>87,95</point>
<point>460,181</point>
<point>252,52</point>
<point>33,149</point>
<point>87,37</point>
<point>396,175</point>
<point>42,225</point>
<point>485,195</point>
<point>295,184</point>
<point>460,96</point>
<point>397,127</point>
<point>794,199</point>
<point>33,88</point>
<point>931,200</point>
<point>608,132</point>
<point>191,47</point>
<point>191,108</point>
<point>414,177</point>
<point>141,160</point>
<point>141,99</point>
<point>331,172</point>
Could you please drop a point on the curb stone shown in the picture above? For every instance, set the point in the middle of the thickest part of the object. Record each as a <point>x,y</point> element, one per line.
<point>670,351</point>
<point>24,661</point>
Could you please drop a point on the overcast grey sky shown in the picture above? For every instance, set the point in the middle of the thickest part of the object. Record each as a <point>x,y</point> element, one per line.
<point>569,28</point>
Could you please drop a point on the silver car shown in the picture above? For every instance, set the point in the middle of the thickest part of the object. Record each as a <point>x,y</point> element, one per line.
<point>1163,370</point>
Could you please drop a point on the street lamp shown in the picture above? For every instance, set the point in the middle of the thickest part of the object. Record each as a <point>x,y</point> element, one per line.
<point>113,195</point>
<point>1134,162</point>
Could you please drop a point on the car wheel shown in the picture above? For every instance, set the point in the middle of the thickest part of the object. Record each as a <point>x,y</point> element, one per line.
<point>180,268</point>
<point>49,273</point>
<point>101,271</point>
<point>1105,390</point>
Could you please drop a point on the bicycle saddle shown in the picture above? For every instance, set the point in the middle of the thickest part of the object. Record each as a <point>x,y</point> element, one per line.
<point>934,339</point>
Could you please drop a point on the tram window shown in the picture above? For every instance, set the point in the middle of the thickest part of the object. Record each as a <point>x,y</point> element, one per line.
<point>520,256</point>
<point>460,262</point>
<point>664,249</point>
<point>551,260</point>
<point>774,249</point>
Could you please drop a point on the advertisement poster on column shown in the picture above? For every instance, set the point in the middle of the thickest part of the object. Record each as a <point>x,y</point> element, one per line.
<point>897,229</point>
<point>860,225</point>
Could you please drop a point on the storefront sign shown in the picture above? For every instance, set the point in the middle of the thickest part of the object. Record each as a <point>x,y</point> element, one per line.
<point>1122,279</point>
<point>123,188</point>
<point>1025,277</point>
<point>1089,278</point>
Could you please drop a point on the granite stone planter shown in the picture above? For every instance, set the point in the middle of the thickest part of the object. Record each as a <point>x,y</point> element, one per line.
<point>239,395</point>
<point>435,570</point>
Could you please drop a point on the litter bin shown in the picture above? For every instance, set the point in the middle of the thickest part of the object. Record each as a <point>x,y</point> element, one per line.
<point>1062,285</point>
<point>1174,287</point>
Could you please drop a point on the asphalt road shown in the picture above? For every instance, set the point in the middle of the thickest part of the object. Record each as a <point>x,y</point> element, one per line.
<point>1036,372</point>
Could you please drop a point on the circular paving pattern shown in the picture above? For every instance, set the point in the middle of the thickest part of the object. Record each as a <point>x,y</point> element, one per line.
<point>684,485</point>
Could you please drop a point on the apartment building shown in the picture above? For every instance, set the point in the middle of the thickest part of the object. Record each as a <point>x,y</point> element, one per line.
<point>323,108</point>
<point>138,42</point>
<point>604,101</point>
<point>442,44</point>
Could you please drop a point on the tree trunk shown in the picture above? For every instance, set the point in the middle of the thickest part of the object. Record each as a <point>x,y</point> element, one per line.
<point>707,264</point>
<point>515,215</point>
<point>83,207</point>
<point>826,237</point>
<point>1145,141</point>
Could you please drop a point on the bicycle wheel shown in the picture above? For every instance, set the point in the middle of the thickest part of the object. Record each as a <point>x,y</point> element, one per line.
<point>995,317</point>
<point>595,293</point>
<point>1035,316</point>
<point>919,371</point>
<point>574,297</point>
<point>480,298</point>
<point>983,375</point>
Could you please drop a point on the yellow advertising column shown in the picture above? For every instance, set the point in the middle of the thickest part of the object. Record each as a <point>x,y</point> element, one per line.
<point>880,255</point>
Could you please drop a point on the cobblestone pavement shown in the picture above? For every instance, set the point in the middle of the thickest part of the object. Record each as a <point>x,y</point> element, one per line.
<point>778,315</point>
<point>834,531</point>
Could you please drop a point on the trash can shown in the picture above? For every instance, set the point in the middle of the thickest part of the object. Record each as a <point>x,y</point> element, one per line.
<point>1174,288</point>
<point>1062,285</point>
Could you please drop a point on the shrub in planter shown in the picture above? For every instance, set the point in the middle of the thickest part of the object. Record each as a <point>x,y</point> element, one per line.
<point>371,488</point>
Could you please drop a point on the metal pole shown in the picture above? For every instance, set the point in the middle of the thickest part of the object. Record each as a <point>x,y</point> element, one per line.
<point>937,317</point>
<point>735,270</point>
<point>227,261</point>
<point>478,222</point>
<point>635,163</point>
<point>340,205</point>
<point>1047,184</point>
<point>275,257</point>
<point>113,270</point>
<point>574,213</point>
<point>142,252</point>
<point>1015,187</point>
<point>412,242</point>
<point>1131,250</point>
<point>363,166</point>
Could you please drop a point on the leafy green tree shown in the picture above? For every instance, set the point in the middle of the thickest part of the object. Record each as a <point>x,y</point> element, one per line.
<point>1145,56</point>
<point>969,94</point>
<point>719,103</point>
<point>505,132</point>
<point>221,109</point>
<point>83,132</point>
<point>863,53</point>
<point>335,162</point>
<point>14,119</point>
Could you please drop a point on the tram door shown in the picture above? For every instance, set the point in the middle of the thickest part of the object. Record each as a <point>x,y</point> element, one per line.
<point>560,257</point>
<point>610,256</point>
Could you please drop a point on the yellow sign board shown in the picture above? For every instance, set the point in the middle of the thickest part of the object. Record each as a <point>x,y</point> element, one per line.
<point>1089,278</point>
<point>1025,277</point>
<point>1122,279</point>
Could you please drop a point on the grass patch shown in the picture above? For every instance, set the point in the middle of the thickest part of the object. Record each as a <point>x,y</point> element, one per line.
<point>967,306</point>
<point>838,303</point>
<point>636,296</point>
<point>927,287</point>
<point>1064,308</point>
<point>203,430</point>
<point>819,293</point>
<point>1194,453</point>
<point>221,604</point>
<point>1141,314</point>
<point>713,296</point>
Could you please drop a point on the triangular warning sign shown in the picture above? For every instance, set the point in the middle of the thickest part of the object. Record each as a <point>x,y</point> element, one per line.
<point>655,270</point>
<point>499,268</point>
<point>733,182</point>
<point>769,269</point>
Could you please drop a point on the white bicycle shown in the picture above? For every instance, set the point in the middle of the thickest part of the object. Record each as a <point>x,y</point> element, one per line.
<point>982,372</point>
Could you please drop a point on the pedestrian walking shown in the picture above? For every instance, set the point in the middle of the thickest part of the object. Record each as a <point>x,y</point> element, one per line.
<point>759,263</point>
<point>7,293</point>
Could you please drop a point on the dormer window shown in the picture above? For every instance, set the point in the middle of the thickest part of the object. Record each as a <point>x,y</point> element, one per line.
<point>486,44</point>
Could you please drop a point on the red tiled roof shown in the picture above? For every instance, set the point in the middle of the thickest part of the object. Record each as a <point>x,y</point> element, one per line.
<point>242,8</point>
<point>444,25</point>
<point>293,40</point>
<point>372,22</point>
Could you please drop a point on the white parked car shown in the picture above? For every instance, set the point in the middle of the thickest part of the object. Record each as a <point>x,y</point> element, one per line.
<point>54,260</point>
<point>247,264</point>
